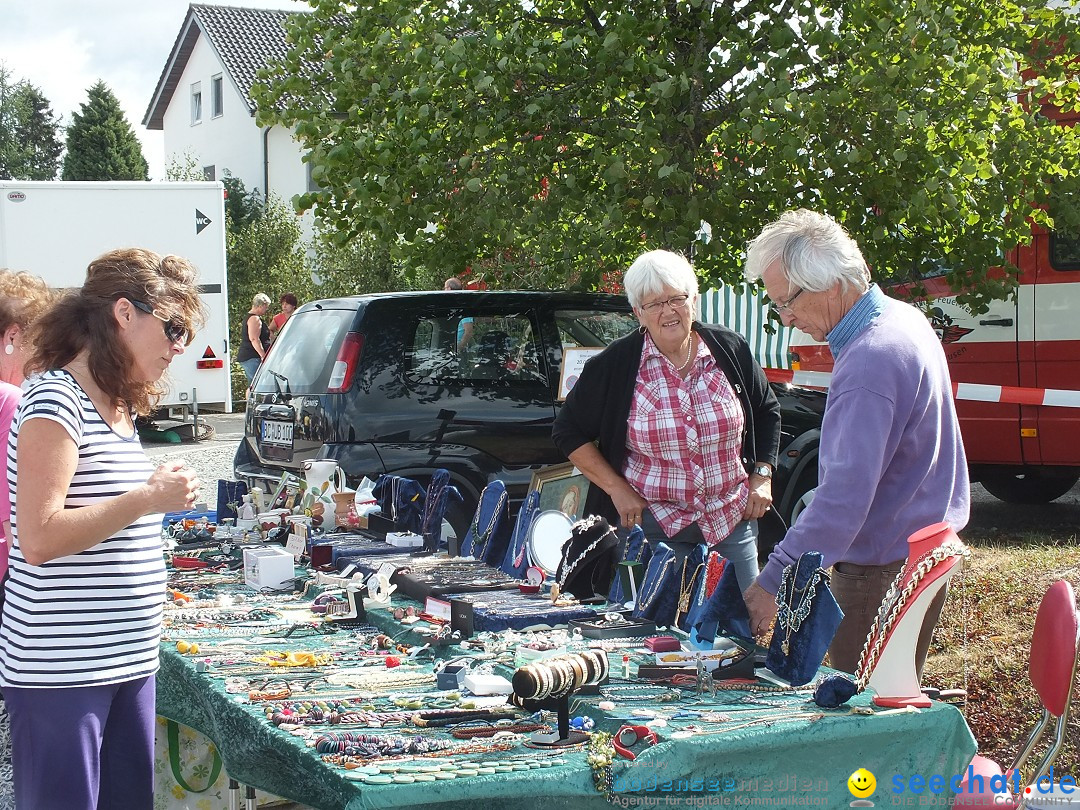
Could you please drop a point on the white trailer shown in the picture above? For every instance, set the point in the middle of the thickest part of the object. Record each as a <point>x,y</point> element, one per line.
<point>55,228</point>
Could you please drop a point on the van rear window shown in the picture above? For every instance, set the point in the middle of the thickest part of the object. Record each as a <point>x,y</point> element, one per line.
<point>303,355</point>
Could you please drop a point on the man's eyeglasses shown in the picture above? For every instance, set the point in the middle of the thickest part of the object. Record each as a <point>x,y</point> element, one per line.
<point>779,308</point>
<point>173,331</point>
<point>676,302</point>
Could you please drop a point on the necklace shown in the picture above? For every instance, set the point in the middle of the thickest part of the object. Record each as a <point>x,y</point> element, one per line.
<point>689,354</point>
<point>647,596</point>
<point>435,503</point>
<point>524,523</point>
<point>686,589</point>
<point>894,603</point>
<point>481,538</point>
<point>789,616</point>
<point>589,522</point>
<point>395,488</point>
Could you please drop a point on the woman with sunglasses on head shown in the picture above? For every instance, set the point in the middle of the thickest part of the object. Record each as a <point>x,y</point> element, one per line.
<point>687,428</point>
<point>82,617</point>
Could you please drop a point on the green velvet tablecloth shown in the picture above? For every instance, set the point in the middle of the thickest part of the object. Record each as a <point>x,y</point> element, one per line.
<point>791,763</point>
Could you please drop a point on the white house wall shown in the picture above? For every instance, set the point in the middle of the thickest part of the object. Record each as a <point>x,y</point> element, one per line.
<point>232,141</point>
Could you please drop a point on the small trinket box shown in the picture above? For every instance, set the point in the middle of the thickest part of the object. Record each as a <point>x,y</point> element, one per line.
<point>662,643</point>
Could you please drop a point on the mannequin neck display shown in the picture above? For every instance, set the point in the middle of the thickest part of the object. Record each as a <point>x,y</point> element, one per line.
<point>887,664</point>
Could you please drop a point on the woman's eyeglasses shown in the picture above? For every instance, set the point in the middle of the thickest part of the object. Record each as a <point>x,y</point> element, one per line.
<point>173,331</point>
<point>676,302</point>
<point>779,308</point>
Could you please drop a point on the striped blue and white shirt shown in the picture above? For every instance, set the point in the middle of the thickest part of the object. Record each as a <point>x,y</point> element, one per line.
<point>94,617</point>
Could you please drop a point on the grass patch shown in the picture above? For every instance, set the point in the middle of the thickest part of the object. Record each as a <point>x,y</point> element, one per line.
<point>984,638</point>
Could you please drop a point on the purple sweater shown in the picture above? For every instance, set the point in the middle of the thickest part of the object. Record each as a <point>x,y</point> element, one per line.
<point>891,458</point>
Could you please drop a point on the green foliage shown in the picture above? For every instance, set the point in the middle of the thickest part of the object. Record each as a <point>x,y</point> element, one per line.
<point>266,255</point>
<point>183,169</point>
<point>30,145</point>
<point>363,265</point>
<point>570,136</point>
<point>242,207</point>
<point>101,144</point>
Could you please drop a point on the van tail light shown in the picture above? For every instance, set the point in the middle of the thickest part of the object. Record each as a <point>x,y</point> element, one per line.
<point>348,359</point>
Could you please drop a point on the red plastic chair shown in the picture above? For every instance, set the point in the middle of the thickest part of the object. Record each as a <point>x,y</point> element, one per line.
<point>1054,647</point>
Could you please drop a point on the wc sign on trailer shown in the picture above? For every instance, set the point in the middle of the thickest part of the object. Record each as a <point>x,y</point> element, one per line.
<point>55,228</point>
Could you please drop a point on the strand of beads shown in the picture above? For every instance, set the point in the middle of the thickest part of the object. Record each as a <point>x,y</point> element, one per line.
<point>373,746</point>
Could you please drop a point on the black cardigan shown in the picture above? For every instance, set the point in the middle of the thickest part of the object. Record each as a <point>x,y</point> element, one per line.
<point>598,406</point>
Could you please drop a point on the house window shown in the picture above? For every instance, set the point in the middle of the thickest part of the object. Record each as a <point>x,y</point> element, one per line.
<point>217,102</point>
<point>209,173</point>
<point>312,186</point>
<point>196,103</point>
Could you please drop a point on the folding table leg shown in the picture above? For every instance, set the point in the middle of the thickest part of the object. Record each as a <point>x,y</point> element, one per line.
<point>249,804</point>
<point>234,794</point>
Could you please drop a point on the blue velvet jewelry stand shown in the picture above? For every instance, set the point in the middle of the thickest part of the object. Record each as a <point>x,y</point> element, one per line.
<point>516,560</point>
<point>638,550</point>
<point>489,532</point>
<point>402,500</point>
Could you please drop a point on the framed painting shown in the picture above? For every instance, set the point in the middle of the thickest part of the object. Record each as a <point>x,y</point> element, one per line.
<point>562,488</point>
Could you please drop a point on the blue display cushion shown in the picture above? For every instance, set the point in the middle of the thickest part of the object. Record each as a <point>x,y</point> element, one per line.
<point>189,514</point>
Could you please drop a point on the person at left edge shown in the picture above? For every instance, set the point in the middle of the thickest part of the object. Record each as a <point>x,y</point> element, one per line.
<point>82,618</point>
<point>686,425</point>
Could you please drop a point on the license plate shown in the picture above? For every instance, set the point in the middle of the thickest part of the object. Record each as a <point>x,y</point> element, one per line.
<point>278,434</point>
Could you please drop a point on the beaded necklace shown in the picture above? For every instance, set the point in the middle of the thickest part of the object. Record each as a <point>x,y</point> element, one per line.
<point>789,617</point>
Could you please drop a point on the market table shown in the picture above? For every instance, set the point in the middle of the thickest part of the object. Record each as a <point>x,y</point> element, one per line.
<point>782,753</point>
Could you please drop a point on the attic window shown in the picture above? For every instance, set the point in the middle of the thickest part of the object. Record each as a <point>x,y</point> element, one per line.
<point>196,103</point>
<point>217,103</point>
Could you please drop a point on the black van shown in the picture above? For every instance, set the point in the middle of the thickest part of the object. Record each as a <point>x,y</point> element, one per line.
<point>406,383</point>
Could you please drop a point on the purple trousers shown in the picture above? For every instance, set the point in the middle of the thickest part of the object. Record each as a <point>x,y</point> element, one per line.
<point>84,747</point>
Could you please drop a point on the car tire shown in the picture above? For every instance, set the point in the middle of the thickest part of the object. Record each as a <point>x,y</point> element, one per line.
<point>799,494</point>
<point>1033,486</point>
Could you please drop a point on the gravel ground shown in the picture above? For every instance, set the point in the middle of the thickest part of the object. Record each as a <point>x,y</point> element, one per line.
<point>212,459</point>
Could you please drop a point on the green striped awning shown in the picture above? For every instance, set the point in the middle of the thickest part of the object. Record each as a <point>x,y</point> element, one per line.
<point>745,311</point>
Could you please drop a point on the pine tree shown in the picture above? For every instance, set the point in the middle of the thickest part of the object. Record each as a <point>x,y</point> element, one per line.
<point>101,144</point>
<point>30,146</point>
<point>38,133</point>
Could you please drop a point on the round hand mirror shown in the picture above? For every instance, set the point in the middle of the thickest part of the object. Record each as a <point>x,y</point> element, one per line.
<point>549,532</point>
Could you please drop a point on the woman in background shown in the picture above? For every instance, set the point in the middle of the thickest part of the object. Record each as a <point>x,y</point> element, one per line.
<point>82,617</point>
<point>23,297</point>
<point>254,337</point>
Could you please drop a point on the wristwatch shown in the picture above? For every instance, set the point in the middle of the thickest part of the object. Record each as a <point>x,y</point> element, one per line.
<point>764,470</point>
<point>628,736</point>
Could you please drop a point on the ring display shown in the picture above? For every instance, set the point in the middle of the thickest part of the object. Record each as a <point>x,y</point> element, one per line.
<point>549,532</point>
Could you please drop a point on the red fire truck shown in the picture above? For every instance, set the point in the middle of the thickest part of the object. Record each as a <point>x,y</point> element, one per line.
<point>1015,372</point>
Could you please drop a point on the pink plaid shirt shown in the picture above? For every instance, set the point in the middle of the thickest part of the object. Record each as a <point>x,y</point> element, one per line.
<point>683,443</point>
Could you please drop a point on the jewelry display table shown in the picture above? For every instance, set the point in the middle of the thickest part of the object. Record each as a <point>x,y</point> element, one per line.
<point>716,749</point>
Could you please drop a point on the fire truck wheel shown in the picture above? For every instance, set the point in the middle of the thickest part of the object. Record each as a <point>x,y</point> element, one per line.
<point>1030,487</point>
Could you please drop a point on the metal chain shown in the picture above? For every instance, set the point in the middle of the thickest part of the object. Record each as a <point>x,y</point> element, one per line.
<point>891,607</point>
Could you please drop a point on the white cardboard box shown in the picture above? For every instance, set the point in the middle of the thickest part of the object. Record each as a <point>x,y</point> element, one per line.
<point>269,567</point>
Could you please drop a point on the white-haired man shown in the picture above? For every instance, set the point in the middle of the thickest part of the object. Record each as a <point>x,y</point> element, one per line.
<point>891,457</point>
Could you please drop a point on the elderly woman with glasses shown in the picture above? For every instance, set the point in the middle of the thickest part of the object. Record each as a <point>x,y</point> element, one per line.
<point>675,423</point>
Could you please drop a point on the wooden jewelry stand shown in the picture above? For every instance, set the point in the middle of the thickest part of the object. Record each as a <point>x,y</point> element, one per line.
<point>888,660</point>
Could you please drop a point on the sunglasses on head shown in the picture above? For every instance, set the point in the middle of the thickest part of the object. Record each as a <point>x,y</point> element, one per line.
<point>174,331</point>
